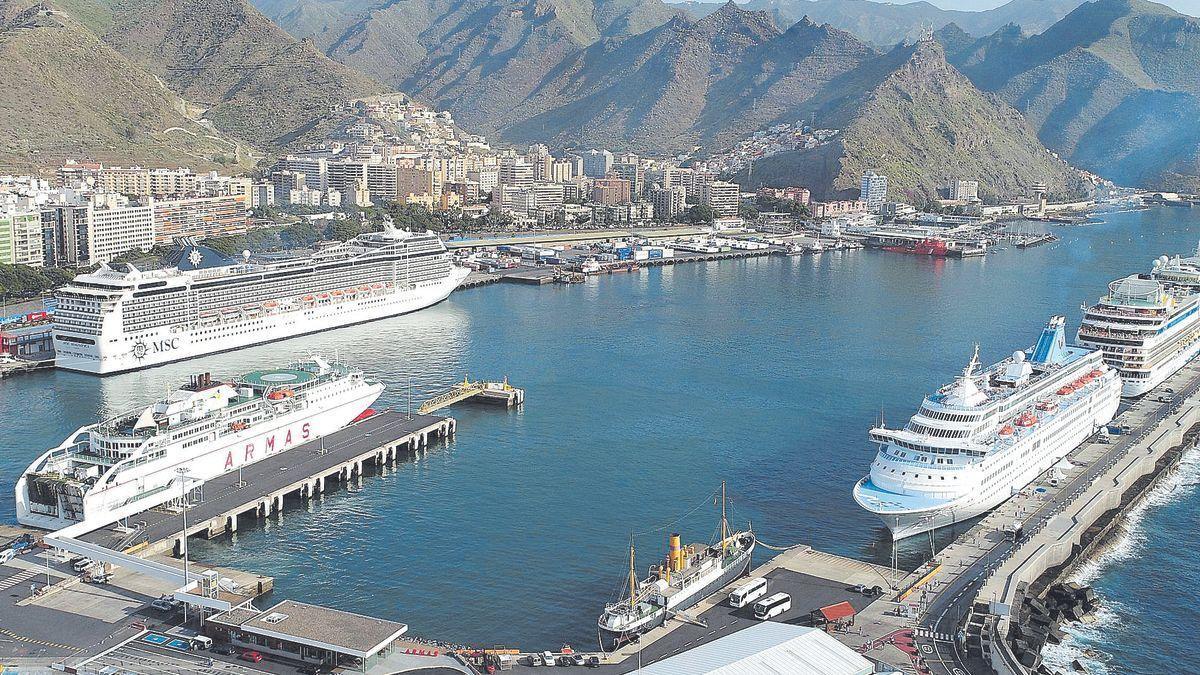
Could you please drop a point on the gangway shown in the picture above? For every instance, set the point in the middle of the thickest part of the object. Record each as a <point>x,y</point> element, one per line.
<point>501,392</point>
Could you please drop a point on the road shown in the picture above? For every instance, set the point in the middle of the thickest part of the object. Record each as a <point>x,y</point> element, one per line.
<point>940,625</point>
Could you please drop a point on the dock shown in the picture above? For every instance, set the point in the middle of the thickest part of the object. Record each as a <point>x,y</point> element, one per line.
<point>258,491</point>
<point>488,392</point>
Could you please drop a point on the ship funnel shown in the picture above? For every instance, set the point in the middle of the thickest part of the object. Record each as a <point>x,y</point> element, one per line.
<point>676,559</point>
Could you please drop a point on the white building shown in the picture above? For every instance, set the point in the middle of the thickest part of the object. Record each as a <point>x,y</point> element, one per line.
<point>115,227</point>
<point>873,190</point>
<point>668,202</point>
<point>965,191</point>
<point>262,194</point>
<point>724,198</point>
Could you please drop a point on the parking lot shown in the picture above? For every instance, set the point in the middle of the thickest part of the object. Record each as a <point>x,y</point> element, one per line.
<point>159,654</point>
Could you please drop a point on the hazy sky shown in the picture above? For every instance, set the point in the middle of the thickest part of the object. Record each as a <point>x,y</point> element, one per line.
<point>1191,7</point>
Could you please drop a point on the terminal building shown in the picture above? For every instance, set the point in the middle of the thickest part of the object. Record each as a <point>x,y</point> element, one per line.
<point>309,633</point>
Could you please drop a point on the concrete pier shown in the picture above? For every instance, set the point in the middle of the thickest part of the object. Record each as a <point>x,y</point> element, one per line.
<point>259,491</point>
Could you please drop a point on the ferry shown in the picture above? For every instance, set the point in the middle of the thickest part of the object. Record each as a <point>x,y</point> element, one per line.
<point>120,318</point>
<point>688,575</point>
<point>133,462</point>
<point>928,246</point>
<point>988,434</point>
<point>1148,325</point>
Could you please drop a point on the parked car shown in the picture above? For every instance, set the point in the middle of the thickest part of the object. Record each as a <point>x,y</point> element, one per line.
<point>578,660</point>
<point>593,662</point>
<point>162,605</point>
<point>251,656</point>
<point>84,564</point>
<point>565,661</point>
<point>547,658</point>
<point>224,650</point>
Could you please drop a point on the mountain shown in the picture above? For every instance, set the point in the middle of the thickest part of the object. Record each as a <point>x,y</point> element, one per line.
<point>912,116</point>
<point>708,82</point>
<point>1112,87</point>
<point>67,94</point>
<point>885,24</point>
<point>251,78</point>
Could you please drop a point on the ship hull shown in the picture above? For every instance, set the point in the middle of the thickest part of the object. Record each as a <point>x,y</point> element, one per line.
<point>1055,445</point>
<point>124,499</point>
<point>610,640</point>
<point>169,344</point>
<point>1134,387</point>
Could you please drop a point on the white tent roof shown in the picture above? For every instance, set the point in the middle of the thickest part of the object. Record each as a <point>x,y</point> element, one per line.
<point>764,648</point>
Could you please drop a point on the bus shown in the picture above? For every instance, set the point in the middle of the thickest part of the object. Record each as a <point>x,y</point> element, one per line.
<point>773,606</point>
<point>747,592</point>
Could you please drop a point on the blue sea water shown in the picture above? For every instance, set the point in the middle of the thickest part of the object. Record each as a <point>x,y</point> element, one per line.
<point>644,391</point>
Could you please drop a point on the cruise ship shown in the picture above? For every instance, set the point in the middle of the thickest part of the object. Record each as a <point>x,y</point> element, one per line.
<point>120,318</point>
<point>988,434</point>
<point>1148,326</point>
<point>122,466</point>
<point>688,575</point>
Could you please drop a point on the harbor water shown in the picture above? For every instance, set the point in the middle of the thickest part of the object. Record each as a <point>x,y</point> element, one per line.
<point>643,392</point>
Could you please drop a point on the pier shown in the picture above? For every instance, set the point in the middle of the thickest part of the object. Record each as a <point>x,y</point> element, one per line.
<point>260,489</point>
<point>489,392</point>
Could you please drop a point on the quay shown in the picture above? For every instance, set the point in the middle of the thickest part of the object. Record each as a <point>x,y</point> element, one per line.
<point>260,489</point>
<point>487,392</point>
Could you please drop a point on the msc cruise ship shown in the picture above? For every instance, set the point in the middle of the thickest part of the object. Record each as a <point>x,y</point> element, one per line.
<point>115,320</point>
<point>139,460</point>
<point>984,437</point>
<point>1148,326</point>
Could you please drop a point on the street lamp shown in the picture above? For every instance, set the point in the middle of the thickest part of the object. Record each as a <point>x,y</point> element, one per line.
<point>183,478</point>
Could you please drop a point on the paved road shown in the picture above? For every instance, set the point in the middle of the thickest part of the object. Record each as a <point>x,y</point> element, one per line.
<point>939,638</point>
<point>267,476</point>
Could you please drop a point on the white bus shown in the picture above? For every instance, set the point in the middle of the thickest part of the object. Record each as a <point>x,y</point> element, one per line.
<point>748,592</point>
<point>773,606</point>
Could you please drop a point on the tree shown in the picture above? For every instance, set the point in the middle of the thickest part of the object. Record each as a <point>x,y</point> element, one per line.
<point>701,213</point>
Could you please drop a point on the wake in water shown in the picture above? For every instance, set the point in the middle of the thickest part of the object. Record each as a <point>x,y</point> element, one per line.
<point>1085,641</point>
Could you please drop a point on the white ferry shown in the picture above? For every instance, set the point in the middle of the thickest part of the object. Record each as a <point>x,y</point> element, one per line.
<point>120,318</point>
<point>1148,326</point>
<point>133,462</point>
<point>687,576</point>
<point>987,435</point>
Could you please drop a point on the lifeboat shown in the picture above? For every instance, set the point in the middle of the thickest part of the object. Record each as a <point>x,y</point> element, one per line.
<point>1064,390</point>
<point>337,294</point>
<point>323,296</point>
<point>376,286</point>
<point>275,396</point>
<point>1047,406</point>
<point>237,426</point>
<point>351,291</point>
<point>364,288</point>
<point>1007,430</point>
<point>270,304</point>
<point>1026,420</point>
<point>1096,373</point>
<point>308,298</point>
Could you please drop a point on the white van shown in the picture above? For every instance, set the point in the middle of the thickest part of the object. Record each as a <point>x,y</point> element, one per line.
<point>84,565</point>
<point>773,606</point>
<point>201,642</point>
<point>748,592</point>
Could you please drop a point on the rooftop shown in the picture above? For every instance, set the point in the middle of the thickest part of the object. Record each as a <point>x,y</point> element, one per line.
<point>767,647</point>
<point>322,627</point>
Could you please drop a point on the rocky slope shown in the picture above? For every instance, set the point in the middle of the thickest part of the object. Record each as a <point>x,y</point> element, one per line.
<point>1112,87</point>
<point>252,78</point>
<point>709,82</point>
<point>885,23</point>
<point>915,118</point>
<point>67,94</point>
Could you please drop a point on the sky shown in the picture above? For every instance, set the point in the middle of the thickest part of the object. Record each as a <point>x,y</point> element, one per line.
<point>1191,7</point>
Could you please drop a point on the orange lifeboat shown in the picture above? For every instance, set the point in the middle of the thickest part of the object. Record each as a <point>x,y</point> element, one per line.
<point>308,298</point>
<point>1026,420</point>
<point>1046,405</point>
<point>275,396</point>
<point>323,296</point>
<point>1007,430</point>
<point>337,294</point>
<point>270,304</point>
<point>1063,391</point>
<point>1096,373</point>
<point>237,426</point>
<point>364,288</point>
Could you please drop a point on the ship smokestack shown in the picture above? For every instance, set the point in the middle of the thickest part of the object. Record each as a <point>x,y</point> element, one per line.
<point>676,553</point>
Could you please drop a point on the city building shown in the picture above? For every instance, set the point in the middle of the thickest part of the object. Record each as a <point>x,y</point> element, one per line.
<point>632,172</point>
<point>668,202</point>
<point>116,227</point>
<point>412,180</point>
<point>722,197</point>
<point>262,195</point>
<point>964,190</point>
<point>611,190</point>
<point>486,178</point>
<point>199,217</point>
<point>873,190</point>
<point>515,172</point>
<point>64,235</point>
<point>21,240</point>
<point>597,163</point>
<point>837,208</point>
<point>315,169</point>
<point>796,194</point>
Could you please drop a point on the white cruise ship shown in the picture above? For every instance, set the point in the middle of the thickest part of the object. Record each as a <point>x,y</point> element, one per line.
<point>133,462</point>
<point>987,435</point>
<point>115,320</point>
<point>1148,326</point>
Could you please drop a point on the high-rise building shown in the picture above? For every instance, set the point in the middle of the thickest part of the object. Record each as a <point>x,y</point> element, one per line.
<point>632,172</point>
<point>597,163</point>
<point>411,180</point>
<point>64,235</point>
<point>611,190</point>
<point>668,202</point>
<point>487,178</point>
<point>262,195</point>
<point>873,190</point>
<point>964,190</point>
<point>21,238</point>
<point>116,227</point>
<point>722,197</point>
<point>561,171</point>
<point>515,172</point>
<point>315,170</point>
